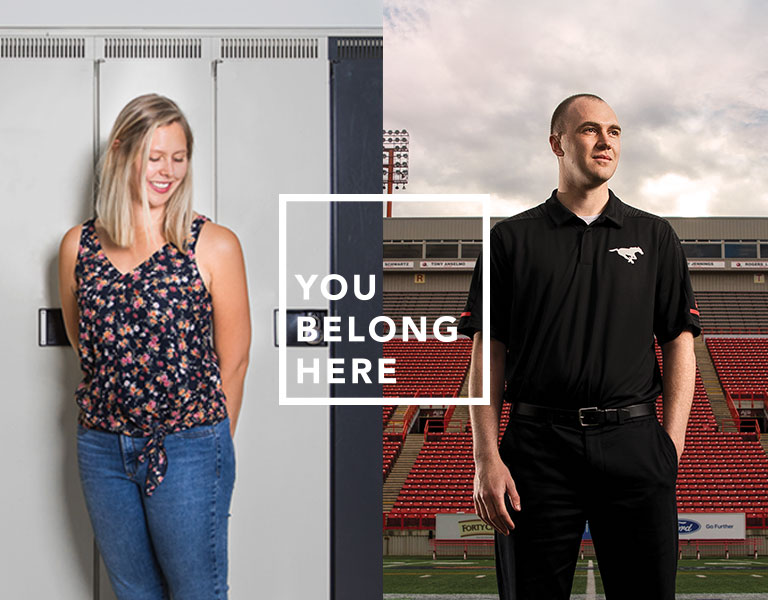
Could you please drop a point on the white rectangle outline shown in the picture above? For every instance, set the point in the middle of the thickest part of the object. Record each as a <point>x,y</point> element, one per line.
<point>282,293</point>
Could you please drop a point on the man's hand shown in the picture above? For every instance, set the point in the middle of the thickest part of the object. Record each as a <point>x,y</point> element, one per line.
<point>493,484</point>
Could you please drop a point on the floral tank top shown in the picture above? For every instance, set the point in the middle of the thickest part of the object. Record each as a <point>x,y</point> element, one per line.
<point>149,368</point>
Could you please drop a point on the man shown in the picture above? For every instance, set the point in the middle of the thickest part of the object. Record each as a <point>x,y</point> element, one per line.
<point>579,287</point>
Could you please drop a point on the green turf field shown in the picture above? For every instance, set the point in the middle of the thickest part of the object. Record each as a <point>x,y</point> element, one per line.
<point>415,575</point>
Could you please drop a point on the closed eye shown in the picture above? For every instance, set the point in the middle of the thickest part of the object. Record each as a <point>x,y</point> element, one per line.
<point>178,159</point>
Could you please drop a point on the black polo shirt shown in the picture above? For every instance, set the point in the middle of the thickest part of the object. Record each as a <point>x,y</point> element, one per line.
<point>578,305</point>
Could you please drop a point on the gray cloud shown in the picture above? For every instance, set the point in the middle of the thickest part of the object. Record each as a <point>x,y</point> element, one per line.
<point>475,84</point>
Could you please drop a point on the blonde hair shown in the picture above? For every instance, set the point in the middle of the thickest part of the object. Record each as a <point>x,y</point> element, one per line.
<point>129,139</point>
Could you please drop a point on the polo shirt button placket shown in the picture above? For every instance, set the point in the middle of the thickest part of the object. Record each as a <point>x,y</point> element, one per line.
<point>585,257</point>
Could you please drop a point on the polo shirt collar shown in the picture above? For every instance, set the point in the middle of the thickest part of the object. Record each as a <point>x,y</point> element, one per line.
<point>613,212</point>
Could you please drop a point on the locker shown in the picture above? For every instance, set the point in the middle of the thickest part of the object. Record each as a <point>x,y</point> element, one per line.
<point>46,166</point>
<point>260,106</point>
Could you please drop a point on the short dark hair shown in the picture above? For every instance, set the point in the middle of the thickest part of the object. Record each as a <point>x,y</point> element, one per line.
<point>557,116</point>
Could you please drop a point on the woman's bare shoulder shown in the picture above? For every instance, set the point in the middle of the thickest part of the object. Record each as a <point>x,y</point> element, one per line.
<point>71,241</point>
<point>218,242</point>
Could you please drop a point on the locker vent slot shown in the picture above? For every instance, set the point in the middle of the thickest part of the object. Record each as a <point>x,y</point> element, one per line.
<point>42,47</point>
<point>269,47</point>
<point>129,47</point>
<point>355,48</point>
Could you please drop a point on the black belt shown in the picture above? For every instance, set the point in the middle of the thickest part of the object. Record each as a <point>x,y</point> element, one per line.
<point>585,417</point>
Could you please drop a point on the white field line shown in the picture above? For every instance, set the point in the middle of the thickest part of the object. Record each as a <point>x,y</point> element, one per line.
<point>591,594</point>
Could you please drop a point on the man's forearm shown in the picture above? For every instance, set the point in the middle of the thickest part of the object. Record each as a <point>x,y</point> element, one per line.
<point>485,419</point>
<point>678,385</point>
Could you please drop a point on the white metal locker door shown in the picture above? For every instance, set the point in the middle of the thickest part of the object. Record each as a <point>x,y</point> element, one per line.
<point>178,67</point>
<point>273,137</point>
<point>46,162</point>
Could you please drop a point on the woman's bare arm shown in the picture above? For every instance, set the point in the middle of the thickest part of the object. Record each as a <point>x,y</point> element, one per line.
<point>220,258</point>
<point>68,283</point>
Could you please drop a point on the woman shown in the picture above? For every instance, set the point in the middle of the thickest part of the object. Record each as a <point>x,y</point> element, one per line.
<point>155,302</point>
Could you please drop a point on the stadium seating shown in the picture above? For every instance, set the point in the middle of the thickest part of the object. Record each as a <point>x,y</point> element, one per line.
<point>440,481</point>
<point>733,312</point>
<point>432,305</point>
<point>722,472</point>
<point>428,369</point>
<point>741,363</point>
<point>387,412</point>
<point>393,444</point>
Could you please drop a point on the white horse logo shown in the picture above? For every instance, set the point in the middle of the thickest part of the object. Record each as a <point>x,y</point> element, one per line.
<point>629,253</point>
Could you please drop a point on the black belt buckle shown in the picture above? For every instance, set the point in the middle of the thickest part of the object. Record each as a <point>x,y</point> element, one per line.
<point>590,411</point>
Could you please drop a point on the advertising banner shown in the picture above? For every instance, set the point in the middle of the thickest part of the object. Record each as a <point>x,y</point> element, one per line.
<point>706,264</point>
<point>749,264</point>
<point>691,526</point>
<point>712,526</point>
<point>461,526</point>
<point>398,264</point>
<point>447,264</point>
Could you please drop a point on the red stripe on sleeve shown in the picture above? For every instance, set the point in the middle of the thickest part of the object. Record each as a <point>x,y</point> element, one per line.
<point>466,314</point>
<point>694,312</point>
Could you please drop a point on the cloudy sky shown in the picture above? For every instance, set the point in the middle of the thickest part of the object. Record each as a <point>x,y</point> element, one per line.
<point>475,83</point>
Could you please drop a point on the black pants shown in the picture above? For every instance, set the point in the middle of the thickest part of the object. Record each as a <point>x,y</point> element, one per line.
<point>619,477</point>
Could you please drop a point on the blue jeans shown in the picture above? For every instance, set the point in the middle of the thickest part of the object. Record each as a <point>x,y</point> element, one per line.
<point>174,542</point>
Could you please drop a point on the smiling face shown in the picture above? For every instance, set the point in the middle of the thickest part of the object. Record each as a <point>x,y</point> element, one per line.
<point>588,144</point>
<point>167,165</point>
